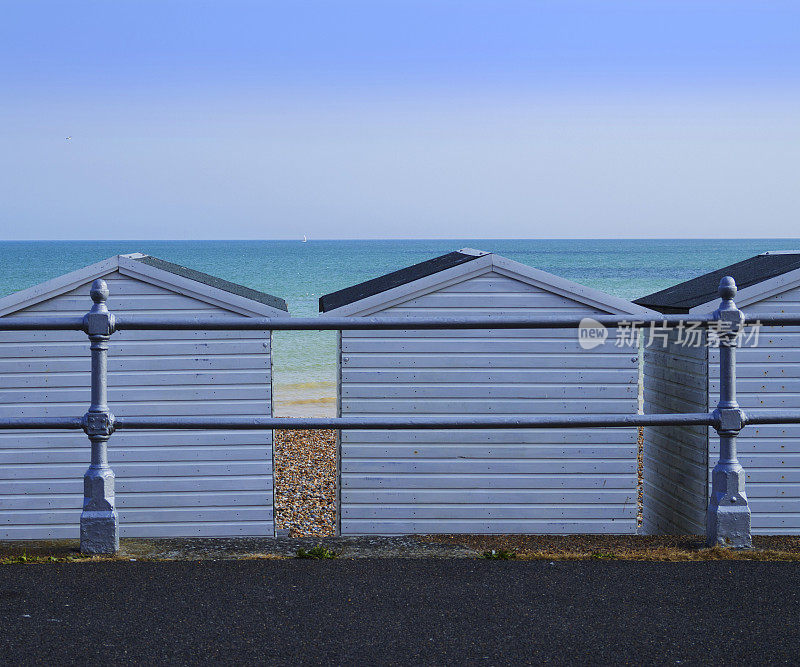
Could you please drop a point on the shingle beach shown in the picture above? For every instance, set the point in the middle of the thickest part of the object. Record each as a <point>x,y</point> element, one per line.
<point>305,482</point>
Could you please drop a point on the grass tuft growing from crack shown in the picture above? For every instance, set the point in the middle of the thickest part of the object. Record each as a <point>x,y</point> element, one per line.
<point>499,554</point>
<point>318,552</point>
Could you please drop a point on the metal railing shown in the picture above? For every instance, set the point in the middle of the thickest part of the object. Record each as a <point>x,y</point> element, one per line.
<point>728,515</point>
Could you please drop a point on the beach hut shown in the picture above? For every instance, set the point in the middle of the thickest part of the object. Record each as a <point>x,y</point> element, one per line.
<point>169,483</point>
<point>684,377</point>
<point>479,481</point>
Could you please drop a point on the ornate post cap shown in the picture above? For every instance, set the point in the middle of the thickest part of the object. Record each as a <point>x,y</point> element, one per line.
<point>98,321</point>
<point>727,288</point>
<point>728,312</point>
<point>99,292</point>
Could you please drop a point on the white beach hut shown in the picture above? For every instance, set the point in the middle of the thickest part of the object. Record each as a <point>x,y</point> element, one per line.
<point>685,378</point>
<point>479,481</point>
<point>169,483</point>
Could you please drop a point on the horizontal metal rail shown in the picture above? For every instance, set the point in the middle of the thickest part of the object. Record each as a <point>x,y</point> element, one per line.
<point>41,422</point>
<point>772,417</point>
<point>405,423</point>
<point>129,323</point>
<point>773,320</point>
<point>124,322</point>
<point>42,323</point>
<point>393,423</point>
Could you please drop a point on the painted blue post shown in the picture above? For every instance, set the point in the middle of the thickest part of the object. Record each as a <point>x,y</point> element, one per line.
<point>728,516</point>
<point>99,521</point>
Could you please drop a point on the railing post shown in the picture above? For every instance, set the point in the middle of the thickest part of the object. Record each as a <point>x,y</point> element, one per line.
<point>728,516</point>
<point>99,521</point>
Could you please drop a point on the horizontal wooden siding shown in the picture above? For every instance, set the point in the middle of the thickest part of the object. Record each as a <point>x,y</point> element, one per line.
<point>478,481</point>
<point>169,483</point>
<point>768,378</point>
<point>675,465</point>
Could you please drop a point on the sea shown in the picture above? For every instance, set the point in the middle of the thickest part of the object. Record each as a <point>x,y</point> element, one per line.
<point>304,363</point>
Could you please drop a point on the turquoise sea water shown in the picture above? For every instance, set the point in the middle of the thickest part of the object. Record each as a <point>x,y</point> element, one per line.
<point>304,362</point>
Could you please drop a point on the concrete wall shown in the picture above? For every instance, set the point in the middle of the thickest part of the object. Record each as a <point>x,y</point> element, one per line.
<point>169,483</point>
<point>504,481</point>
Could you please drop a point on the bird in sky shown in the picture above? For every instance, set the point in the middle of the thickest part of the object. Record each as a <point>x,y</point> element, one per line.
<point>69,138</point>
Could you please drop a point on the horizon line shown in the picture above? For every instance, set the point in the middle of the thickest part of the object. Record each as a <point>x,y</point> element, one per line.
<point>452,238</point>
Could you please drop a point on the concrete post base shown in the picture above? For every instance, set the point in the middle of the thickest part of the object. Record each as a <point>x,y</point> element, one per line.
<point>99,532</point>
<point>99,521</point>
<point>728,517</point>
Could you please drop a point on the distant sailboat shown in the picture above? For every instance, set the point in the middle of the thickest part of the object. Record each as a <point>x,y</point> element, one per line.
<point>305,240</point>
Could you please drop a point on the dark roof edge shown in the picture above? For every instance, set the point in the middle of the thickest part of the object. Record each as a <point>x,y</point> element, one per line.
<point>681,297</point>
<point>213,281</point>
<point>666,310</point>
<point>409,274</point>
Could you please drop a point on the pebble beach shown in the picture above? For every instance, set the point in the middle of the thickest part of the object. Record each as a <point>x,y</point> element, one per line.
<point>305,482</point>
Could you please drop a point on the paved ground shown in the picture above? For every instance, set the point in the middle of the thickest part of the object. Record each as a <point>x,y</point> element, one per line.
<point>547,547</point>
<point>399,611</point>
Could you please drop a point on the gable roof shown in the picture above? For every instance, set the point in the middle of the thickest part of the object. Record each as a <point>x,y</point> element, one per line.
<point>180,279</point>
<point>213,281</point>
<point>394,279</point>
<point>682,297</point>
<point>393,288</point>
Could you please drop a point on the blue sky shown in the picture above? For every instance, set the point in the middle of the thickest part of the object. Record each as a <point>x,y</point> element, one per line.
<point>399,119</point>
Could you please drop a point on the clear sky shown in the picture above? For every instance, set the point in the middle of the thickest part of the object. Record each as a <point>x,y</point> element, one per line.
<point>389,119</point>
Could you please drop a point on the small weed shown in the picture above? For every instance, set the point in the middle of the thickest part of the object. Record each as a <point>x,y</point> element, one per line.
<point>499,554</point>
<point>25,559</point>
<point>319,552</point>
<point>600,555</point>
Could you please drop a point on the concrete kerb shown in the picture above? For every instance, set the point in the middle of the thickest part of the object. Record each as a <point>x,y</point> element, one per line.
<point>555,547</point>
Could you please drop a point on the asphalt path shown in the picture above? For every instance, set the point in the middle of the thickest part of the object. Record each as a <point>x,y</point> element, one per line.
<point>400,611</point>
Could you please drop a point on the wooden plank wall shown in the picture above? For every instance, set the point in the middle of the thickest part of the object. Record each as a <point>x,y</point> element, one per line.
<point>169,483</point>
<point>477,481</point>
<point>768,378</point>
<point>675,457</point>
